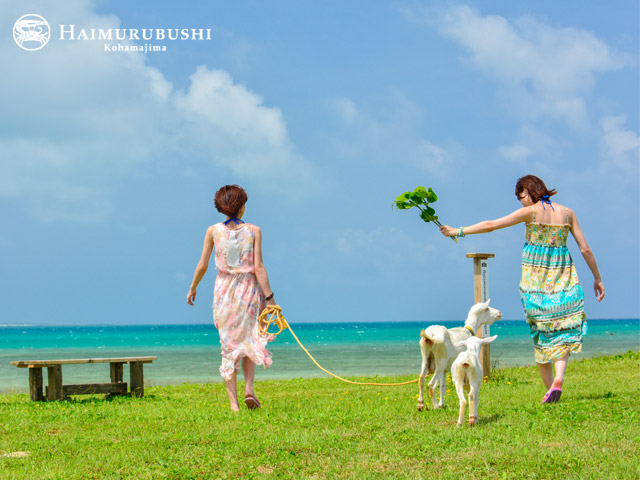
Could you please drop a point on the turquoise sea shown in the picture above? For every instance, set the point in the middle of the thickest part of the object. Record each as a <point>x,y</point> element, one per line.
<point>191,354</point>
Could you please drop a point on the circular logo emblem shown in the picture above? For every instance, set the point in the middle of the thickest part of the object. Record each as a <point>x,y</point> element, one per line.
<point>31,32</point>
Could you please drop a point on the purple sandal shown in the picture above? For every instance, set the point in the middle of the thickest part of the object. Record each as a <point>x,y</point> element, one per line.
<point>251,402</point>
<point>552,396</point>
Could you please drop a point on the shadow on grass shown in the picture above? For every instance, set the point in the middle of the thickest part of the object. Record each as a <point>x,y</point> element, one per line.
<point>491,418</point>
<point>599,396</point>
<point>111,399</point>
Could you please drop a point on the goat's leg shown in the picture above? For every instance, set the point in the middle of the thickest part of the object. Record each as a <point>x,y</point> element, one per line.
<point>443,389</point>
<point>463,402</point>
<point>473,405</point>
<point>433,383</point>
<point>423,373</point>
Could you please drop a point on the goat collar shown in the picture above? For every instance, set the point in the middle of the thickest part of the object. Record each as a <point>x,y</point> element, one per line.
<point>470,329</point>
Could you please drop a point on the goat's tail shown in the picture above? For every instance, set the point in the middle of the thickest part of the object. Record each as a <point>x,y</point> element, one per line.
<point>434,334</point>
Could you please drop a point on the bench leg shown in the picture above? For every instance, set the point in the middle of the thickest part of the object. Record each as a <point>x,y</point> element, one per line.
<point>117,377</point>
<point>116,372</point>
<point>54,388</point>
<point>35,384</point>
<point>137,379</point>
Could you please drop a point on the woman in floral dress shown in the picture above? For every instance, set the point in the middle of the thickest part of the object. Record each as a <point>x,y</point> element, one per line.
<point>551,295</point>
<point>239,292</point>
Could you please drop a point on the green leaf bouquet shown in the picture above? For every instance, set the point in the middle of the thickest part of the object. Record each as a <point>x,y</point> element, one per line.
<point>420,198</point>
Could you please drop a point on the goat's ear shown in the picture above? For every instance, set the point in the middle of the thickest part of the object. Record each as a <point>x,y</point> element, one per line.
<point>486,304</point>
<point>489,339</point>
<point>460,344</point>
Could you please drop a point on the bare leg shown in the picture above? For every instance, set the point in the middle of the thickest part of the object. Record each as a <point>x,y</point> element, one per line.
<point>560,367</point>
<point>232,391</point>
<point>249,370</point>
<point>546,372</point>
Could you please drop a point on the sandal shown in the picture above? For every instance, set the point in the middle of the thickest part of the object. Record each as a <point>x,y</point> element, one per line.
<point>552,396</point>
<point>251,402</point>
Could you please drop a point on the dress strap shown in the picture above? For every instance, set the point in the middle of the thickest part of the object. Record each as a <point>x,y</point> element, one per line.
<point>566,216</point>
<point>534,213</point>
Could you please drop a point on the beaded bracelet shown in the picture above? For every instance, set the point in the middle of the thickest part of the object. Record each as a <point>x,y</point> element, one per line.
<point>461,232</point>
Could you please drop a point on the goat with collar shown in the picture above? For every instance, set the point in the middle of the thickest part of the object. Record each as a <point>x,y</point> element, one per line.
<point>437,345</point>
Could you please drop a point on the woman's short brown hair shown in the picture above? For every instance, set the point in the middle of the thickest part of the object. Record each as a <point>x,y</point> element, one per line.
<point>534,187</point>
<point>230,199</point>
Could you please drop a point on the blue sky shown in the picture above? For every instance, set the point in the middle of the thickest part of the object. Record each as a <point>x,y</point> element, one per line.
<point>324,112</point>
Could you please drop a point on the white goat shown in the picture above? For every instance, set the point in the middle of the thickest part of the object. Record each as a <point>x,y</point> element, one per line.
<point>467,369</point>
<point>438,350</point>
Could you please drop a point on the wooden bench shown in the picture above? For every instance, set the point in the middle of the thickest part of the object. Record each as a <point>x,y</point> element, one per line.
<point>57,391</point>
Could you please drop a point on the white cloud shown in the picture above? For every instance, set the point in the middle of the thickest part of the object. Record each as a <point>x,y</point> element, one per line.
<point>234,126</point>
<point>82,119</point>
<point>531,144</point>
<point>515,153</point>
<point>382,245</point>
<point>543,70</point>
<point>396,137</point>
<point>345,108</point>
<point>622,146</point>
<point>432,158</point>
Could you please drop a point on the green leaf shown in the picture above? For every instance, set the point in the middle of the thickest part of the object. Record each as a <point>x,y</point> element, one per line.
<point>414,197</point>
<point>431,196</point>
<point>400,205</point>
<point>422,192</point>
<point>430,211</point>
<point>426,216</point>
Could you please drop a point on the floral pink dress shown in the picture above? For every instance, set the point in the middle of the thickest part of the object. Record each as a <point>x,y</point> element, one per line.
<point>237,299</point>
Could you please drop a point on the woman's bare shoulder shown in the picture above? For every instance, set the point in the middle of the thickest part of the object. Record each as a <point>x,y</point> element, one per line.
<point>563,208</point>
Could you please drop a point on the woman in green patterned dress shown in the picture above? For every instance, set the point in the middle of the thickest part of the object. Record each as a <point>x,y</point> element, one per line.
<point>551,295</point>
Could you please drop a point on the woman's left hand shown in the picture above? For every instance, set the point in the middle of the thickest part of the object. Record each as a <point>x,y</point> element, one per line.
<point>191,296</point>
<point>598,288</point>
<point>448,231</point>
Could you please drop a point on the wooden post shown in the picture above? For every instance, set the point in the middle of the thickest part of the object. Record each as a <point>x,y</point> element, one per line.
<point>116,372</point>
<point>35,384</point>
<point>54,388</point>
<point>481,294</point>
<point>137,379</point>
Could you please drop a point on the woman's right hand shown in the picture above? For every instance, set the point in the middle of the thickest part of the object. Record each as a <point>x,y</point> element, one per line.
<point>448,231</point>
<point>598,288</point>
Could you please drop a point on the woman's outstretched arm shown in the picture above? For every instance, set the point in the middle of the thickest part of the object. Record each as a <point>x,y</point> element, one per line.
<point>587,253</point>
<point>523,214</point>
<point>260,269</point>
<point>203,265</point>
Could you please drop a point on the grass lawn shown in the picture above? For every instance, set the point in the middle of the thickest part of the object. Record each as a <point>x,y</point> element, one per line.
<point>323,428</point>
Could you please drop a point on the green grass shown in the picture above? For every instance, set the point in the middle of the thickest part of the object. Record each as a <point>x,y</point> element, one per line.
<point>323,428</point>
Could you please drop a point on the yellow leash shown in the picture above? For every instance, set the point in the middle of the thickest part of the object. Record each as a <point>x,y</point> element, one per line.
<point>273,315</point>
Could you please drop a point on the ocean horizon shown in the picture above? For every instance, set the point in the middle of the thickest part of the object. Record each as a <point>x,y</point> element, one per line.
<point>191,353</point>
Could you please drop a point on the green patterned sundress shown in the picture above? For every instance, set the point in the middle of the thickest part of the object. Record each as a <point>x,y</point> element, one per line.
<point>551,294</point>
